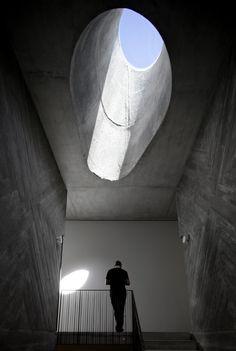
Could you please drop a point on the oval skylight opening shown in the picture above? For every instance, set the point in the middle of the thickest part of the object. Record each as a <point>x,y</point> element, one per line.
<point>141,43</point>
<point>121,84</point>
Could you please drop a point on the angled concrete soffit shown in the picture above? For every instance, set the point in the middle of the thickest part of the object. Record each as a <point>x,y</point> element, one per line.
<point>118,108</point>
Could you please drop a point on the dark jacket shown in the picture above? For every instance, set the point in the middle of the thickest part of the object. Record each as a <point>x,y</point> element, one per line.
<point>117,278</point>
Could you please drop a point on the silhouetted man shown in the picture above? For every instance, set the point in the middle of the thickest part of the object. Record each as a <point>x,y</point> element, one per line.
<point>118,278</point>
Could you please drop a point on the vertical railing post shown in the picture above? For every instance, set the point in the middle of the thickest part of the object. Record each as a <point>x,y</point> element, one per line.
<point>59,319</point>
<point>133,323</point>
<point>59,241</point>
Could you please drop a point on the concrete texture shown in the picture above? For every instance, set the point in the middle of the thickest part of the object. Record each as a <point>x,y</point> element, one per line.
<point>145,203</point>
<point>112,110</point>
<point>32,211</point>
<point>207,212</point>
<point>44,36</point>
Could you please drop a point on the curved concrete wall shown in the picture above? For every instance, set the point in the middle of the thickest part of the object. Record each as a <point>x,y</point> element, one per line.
<point>89,66</point>
<point>123,106</point>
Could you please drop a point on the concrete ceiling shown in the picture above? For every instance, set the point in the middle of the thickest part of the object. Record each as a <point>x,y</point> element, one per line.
<point>44,35</point>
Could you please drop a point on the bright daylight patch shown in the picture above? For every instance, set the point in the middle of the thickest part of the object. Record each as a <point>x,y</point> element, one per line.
<point>73,281</point>
<point>140,41</point>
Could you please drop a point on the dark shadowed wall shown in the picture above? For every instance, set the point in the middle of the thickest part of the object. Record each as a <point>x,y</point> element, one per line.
<point>207,212</point>
<point>32,209</point>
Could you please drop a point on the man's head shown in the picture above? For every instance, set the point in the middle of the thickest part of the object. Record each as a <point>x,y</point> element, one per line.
<point>118,263</point>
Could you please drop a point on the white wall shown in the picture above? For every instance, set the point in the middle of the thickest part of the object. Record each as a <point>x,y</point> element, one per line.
<point>151,252</point>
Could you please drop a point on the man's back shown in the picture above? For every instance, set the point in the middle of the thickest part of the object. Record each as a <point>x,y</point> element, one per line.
<point>117,278</point>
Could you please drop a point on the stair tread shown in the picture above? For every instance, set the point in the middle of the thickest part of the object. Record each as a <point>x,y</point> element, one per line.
<point>168,336</point>
<point>166,349</point>
<point>170,342</point>
<point>170,346</point>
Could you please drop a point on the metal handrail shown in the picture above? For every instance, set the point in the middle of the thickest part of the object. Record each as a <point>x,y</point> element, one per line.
<point>78,290</point>
<point>138,340</point>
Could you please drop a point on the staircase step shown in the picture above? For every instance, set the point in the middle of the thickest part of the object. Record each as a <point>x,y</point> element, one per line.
<point>177,348</point>
<point>170,345</point>
<point>169,349</point>
<point>166,335</point>
<point>94,348</point>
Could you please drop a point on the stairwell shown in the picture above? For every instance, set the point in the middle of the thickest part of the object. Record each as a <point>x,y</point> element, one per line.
<point>169,341</point>
<point>86,322</point>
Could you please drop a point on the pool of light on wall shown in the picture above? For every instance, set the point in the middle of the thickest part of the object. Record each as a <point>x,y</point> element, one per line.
<point>73,281</point>
<point>141,43</point>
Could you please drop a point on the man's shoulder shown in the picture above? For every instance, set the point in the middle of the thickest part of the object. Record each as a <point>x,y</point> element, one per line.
<point>123,270</point>
<point>117,270</point>
<point>110,270</point>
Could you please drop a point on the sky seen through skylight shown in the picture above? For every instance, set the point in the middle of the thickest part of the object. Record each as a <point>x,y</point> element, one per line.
<point>140,41</point>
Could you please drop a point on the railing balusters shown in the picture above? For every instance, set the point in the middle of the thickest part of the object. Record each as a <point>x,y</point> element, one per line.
<point>87,317</point>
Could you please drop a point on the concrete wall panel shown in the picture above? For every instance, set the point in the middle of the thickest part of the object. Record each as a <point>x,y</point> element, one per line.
<point>207,212</point>
<point>32,211</point>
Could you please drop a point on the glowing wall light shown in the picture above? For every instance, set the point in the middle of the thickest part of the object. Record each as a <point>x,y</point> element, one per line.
<point>73,281</point>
